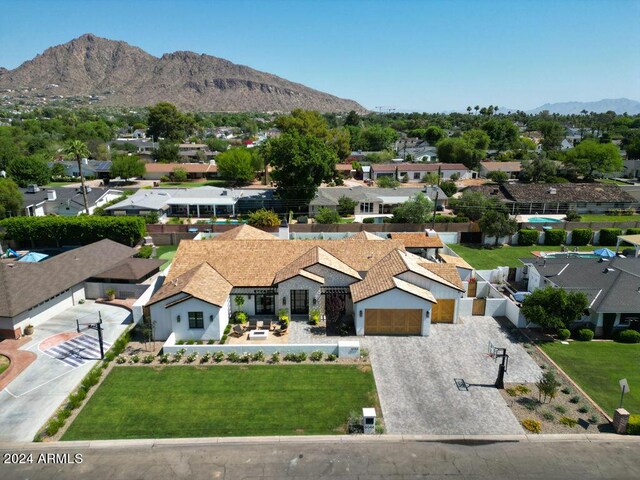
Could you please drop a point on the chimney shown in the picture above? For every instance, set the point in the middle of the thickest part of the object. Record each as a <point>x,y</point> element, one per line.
<point>85,161</point>
<point>283,230</point>
<point>51,195</point>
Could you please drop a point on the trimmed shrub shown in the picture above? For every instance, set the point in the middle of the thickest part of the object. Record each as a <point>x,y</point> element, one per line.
<point>218,356</point>
<point>548,416</point>
<point>295,357</point>
<point>628,336</point>
<point>581,236</point>
<point>584,335</point>
<point>511,391</point>
<point>275,357</point>
<point>134,359</point>
<point>633,427</point>
<point>561,409</point>
<point>120,360</point>
<point>531,425</point>
<point>583,409</point>
<point>316,356</point>
<point>564,334</point>
<point>566,390</point>
<point>575,399</point>
<point>258,356</point>
<point>332,357</point>
<point>527,237</point>
<point>239,317</point>
<point>572,215</point>
<point>223,340</point>
<point>609,236</point>
<point>569,422</point>
<point>555,236</point>
<point>368,220</point>
<point>227,329</point>
<point>632,231</point>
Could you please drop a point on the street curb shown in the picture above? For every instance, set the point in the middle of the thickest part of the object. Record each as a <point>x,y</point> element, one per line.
<point>222,441</point>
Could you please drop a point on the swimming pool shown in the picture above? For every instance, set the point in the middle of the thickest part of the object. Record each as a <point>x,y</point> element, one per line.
<point>543,220</point>
<point>569,255</point>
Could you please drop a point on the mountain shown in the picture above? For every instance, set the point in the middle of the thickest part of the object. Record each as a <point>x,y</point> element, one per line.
<point>618,105</point>
<point>122,75</point>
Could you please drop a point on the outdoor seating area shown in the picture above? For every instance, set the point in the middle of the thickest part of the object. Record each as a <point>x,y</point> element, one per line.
<point>267,331</point>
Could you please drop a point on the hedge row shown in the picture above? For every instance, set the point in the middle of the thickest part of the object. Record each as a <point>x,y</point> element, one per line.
<point>581,236</point>
<point>527,237</point>
<point>82,230</point>
<point>609,236</point>
<point>555,236</point>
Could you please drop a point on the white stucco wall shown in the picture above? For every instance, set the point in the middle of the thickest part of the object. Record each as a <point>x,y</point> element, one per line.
<point>437,289</point>
<point>167,319</point>
<point>392,299</point>
<point>297,283</point>
<point>47,310</point>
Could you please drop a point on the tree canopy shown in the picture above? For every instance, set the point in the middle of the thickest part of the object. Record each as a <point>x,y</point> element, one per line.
<point>591,156</point>
<point>552,307</point>
<point>237,165</point>
<point>166,121</point>
<point>167,152</point>
<point>28,170</point>
<point>10,199</point>
<point>537,170</point>
<point>301,163</point>
<point>497,224</point>
<point>473,205</point>
<point>503,133</point>
<point>125,166</point>
<point>469,149</point>
<point>418,209</point>
<point>327,216</point>
<point>263,218</point>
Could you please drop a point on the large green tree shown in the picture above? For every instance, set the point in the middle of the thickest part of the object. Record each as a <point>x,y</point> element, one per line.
<point>166,121</point>
<point>552,134</point>
<point>79,150</point>
<point>301,163</point>
<point>502,132</point>
<point>473,204</point>
<point>552,307</point>
<point>591,156</point>
<point>497,224</point>
<point>418,209</point>
<point>237,165</point>
<point>263,218</point>
<point>434,134</point>
<point>10,199</point>
<point>537,170</point>
<point>167,152</point>
<point>125,166</point>
<point>327,216</point>
<point>28,170</point>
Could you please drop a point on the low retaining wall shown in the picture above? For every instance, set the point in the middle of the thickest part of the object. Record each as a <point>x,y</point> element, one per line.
<point>343,348</point>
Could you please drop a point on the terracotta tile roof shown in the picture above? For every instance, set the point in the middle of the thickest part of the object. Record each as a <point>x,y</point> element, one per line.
<point>418,240</point>
<point>188,167</point>
<point>457,261</point>
<point>447,271</point>
<point>132,269</point>
<point>343,167</point>
<point>314,256</point>
<point>245,232</point>
<point>202,282</point>
<point>254,263</point>
<point>380,277</point>
<point>501,166</point>
<point>311,276</point>
<point>364,235</point>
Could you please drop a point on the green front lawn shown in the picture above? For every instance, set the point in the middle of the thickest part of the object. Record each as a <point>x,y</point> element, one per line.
<point>59,184</point>
<point>597,367</point>
<point>194,184</point>
<point>166,252</point>
<point>4,363</point>
<point>609,218</point>
<point>488,258</point>
<point>186,401</point>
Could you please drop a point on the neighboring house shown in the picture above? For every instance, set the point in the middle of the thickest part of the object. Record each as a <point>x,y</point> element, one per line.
<point>512,169</point>
<point>417,171</point>
<point>345,169</point>
<point>34,292</point>
<point>610,285</point>
<point>195,151</point>
<point>358,156</point>
<point>90,168</point>
<point>139,133</point>
<point>144,146</point>
<point>426,244</point>
<point>540,198</point>
<point>421,152</point>
<point>372,200</point>
<point>383,288</point>
<point>155,171</point>
<point>195,202</point>
<point>39,202</point>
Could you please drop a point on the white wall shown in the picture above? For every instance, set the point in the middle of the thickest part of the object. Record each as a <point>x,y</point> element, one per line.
<point>49,309</point>
<point>395,299</point>
<point>297,283</point>
<point>138,306</point>
<point>437,289</point>
<point>167,319</point>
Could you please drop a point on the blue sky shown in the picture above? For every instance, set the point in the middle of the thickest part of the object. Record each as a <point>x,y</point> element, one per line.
<point>412,55</point>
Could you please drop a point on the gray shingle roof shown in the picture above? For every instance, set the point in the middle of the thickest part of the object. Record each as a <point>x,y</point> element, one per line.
<point>329,196</point>
<point>25,285</point>
<point>558,192</point>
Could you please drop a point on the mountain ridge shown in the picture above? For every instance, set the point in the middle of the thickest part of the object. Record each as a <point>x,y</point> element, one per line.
<point>618,105</point>
<point>126,75</point>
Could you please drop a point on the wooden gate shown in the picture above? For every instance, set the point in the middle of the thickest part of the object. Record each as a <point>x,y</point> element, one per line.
<point>442,312</point>
<point>479,305</point>
<point>472,290</point>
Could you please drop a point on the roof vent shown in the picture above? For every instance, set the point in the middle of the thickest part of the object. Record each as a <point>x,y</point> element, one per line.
<point>552,191</point>
<point>51,195</point>
<point>495,191</point>
<point>223,193</point>
<point>33,188</point>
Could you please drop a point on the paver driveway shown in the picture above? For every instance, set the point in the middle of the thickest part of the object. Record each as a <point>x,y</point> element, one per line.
<point>415,379</point>
<point>29,400</point>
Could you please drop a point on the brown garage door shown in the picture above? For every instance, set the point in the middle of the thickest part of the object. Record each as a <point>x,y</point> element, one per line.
<point>389,321</point>
<point>442,312</point>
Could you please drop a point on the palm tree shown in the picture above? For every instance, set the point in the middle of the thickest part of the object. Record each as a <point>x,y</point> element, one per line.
<point>78,149</point>
<point>476,108</point>
<point>469,110</point>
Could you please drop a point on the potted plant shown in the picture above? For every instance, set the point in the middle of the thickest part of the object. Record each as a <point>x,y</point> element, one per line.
<point>28,330</point>
<point>110,293</point>
<point>283,317</point>
<point>314,316</point>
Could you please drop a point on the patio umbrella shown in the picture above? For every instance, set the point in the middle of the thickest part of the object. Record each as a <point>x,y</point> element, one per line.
<point>604,252</point>
<point>32,257</point>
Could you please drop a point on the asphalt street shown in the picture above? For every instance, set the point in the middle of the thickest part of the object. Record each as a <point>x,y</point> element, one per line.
<point>338,458</point>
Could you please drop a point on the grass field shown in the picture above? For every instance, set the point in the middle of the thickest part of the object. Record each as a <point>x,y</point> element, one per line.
<point>609,218</point>
<point>597,367</point>
<point>488,258</point>
<point>186,401</point>
<point>59,184</point>
<point>4,363</point>
<point>166,252</point>
<point>209,183</point>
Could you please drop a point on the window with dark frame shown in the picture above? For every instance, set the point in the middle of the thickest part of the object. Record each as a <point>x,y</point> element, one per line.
<point>196,320</point>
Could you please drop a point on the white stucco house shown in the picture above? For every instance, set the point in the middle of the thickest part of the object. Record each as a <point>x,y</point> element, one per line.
<point>378,284</point>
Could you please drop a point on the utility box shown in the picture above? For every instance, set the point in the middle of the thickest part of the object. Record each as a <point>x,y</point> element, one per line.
<point>369,420</point>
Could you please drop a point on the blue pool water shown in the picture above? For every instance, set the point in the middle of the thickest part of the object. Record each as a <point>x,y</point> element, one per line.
<point>542,220</point>
<point>570,255</point>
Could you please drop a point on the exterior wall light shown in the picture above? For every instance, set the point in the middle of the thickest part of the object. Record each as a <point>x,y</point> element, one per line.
<point>211,318</point>
<point>314,301</point>
<point>284,301</point>
<point>178,318</point>
<point>360,313</point>
<point>427,313</point>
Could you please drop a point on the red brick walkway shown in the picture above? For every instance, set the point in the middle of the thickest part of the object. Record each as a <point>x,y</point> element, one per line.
<point>20,359</point>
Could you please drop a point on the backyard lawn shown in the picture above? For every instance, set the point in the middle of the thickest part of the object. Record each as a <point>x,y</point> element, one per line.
<point>488,258</point>
<point>609,218</point>
<point>597,367</point>
<point>166,253</point>
<point>187,401</point>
